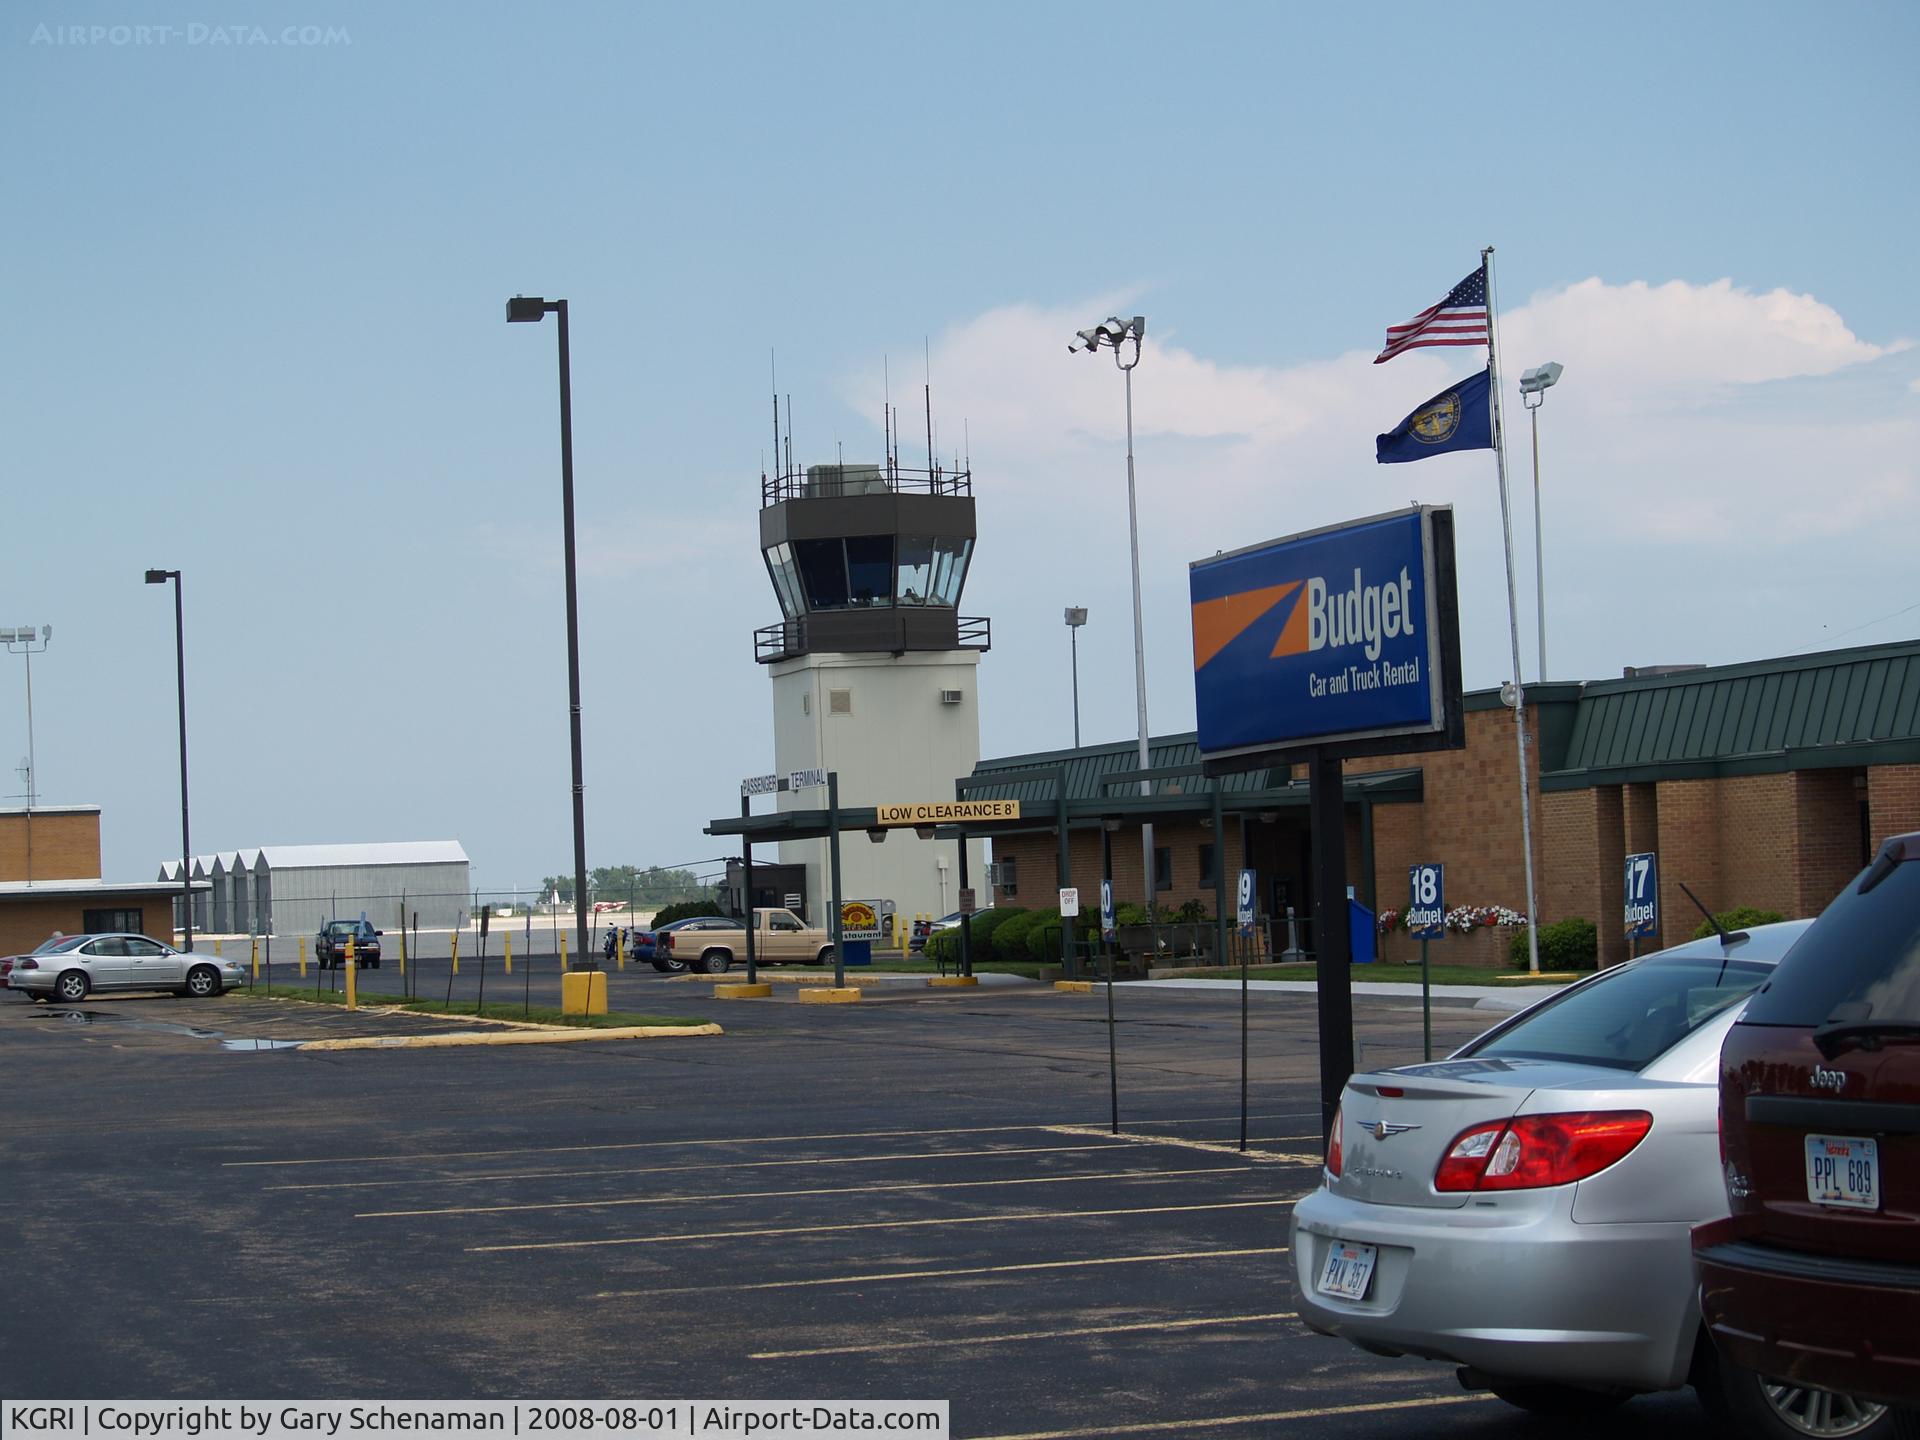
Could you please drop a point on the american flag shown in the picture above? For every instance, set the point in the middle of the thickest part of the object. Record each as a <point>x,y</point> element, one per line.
<point>1460,319</point>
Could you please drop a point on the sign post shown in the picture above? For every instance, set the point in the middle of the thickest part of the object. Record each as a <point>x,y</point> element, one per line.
<point>1334,643</point>
<point>812,780</point>
<point>1426,921</point>
<point>1643,899</point>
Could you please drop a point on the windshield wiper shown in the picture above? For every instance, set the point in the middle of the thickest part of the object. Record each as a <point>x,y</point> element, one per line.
<point>1838,1035</point>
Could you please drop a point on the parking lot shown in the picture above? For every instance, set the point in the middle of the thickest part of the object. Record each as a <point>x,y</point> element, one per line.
<point>917,1198</point>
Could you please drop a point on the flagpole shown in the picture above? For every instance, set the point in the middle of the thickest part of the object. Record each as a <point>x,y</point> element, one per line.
<point>1513,610</point>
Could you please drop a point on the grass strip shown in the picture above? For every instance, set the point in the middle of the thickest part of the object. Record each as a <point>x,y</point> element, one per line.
<point>537,1015</point>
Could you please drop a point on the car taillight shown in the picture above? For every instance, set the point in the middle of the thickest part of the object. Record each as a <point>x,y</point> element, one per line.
<point>28,965</point>
<point>665,938</point>
<point>1533,1151</point>
<point>1333,1145</point>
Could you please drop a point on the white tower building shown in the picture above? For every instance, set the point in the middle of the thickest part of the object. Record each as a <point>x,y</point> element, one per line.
<point>874,670</point>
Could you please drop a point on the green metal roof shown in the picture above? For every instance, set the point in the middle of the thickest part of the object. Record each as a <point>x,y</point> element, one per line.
<point>1838,708</point>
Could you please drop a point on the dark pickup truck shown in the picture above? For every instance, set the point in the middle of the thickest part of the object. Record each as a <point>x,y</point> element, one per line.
<point>330,945</point>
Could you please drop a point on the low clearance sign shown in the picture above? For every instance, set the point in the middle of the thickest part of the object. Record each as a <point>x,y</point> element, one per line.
<point>947,812</point>
<point>1333,634</point>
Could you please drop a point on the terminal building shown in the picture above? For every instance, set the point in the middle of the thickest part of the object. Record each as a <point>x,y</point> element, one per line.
<point>1766,784</point>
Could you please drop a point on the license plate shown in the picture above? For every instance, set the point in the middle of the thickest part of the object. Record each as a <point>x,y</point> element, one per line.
<point>1347,1271</point>
<point>1843,1171</point>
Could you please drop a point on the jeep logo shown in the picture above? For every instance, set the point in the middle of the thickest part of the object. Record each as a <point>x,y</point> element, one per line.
<point>1825,1079</point>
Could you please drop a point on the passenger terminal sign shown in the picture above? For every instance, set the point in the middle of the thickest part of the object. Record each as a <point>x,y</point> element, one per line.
<point>1330,635</point>
<point>946,812</point>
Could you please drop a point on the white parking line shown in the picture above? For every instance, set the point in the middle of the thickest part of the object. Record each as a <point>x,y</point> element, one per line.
<point>875,1225</point>
<point>961,1342</point>
<point>880,1276</point>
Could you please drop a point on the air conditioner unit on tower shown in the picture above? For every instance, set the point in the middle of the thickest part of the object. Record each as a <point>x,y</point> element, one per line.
<point>950,697</point>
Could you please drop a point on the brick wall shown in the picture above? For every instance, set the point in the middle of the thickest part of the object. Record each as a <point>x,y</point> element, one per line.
<point>1587,823</point>
<point>66,845</point>
<point>1828,848</point>
<point>24,923</point>
<point>1893,801</point>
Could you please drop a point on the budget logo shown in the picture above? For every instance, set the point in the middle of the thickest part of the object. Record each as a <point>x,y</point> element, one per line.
<point>1316,617</point>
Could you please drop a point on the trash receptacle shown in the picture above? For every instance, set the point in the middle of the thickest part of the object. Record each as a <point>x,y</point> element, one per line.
<point>857,952</point>
<point>1362,935</point>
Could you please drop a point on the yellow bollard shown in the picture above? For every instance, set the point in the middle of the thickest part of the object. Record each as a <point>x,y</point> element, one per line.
<point>353,972</point>
<point>620,949</point>
<point>563,952</point>
<point>216,947</point>
<point>403,948</point>
<point>256,959</point>
<point>303,957</point>
<point>456,952</point>
<point>509,944</point>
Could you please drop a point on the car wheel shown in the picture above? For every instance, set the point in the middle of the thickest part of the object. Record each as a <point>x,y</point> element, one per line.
<point>1563,1401</point>
<point>71,986</point>
<point>1766,1409</point>
<point>715,962</point>
<point>825,957</point>
<point>202,981</point>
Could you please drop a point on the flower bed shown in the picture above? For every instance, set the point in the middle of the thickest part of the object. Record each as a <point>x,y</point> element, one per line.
<point>1477,935</point>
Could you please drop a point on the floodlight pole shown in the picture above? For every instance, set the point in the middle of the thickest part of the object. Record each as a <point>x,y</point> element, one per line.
<point>523,308</point>
<point>161,577</point>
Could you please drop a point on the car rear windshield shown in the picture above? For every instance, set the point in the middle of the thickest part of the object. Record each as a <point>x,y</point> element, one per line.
<point>1627,1019</point>
<point>1863,952</point>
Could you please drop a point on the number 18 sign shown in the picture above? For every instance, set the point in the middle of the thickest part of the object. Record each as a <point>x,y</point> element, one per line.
<point>1427,902</point>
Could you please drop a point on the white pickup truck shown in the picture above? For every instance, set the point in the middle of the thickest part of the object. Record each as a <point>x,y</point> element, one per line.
<point>780,937</point>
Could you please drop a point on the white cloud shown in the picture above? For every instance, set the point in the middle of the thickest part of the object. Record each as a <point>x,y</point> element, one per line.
<point>1697,426</point>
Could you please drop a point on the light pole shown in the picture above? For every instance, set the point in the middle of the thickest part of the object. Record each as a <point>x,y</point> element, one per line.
<point>29,642</point>
<point>531,308</point>
<point>160,577</point>
<point>1076,617</point>
<point>1114,333</point>
<point>1534,385</point>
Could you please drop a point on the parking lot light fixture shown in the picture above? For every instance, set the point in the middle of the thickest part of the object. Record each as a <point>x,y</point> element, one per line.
<point>1117,335</point>
<point>161,577</point>
<point>1534,385</point>
<point>523,309</point>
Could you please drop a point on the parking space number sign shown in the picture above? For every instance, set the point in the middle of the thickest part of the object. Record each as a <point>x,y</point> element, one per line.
<point>1244,903</point>
<point>1427,902</point>
<point>1643,896</point>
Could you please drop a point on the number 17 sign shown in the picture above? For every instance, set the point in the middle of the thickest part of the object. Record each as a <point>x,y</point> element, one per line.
<point>1643,897</point>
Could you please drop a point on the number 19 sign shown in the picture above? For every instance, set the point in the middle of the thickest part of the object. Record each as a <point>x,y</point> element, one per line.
<point>1427,902</point>
<point>1643,897</point>
<point>1243,906</point>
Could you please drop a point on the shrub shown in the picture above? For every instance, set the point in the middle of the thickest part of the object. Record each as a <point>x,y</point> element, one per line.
<point>1572,944</point>
<point>1010,940</point>
<point>1739,918</point>
<point>944,947</point>
<point>1191,913</point>
<point>681,910</point>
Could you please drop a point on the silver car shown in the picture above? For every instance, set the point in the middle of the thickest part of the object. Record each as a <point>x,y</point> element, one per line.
<point>75,966</point>
<point>1522,1208</point>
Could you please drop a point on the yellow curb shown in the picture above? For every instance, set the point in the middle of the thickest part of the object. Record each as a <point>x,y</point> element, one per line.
<point>828,995</point>
<point>938,981</point>
<point>396,1012</point>
<point>743,991</point>
<point>1076,987</point>
<point>516,1037</point>
<point>765,979</point>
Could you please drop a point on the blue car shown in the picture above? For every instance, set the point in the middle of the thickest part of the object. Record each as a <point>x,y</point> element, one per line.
<point>644,947</point>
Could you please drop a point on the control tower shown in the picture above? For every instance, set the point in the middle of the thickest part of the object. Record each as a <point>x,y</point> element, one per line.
<point>874,668</point>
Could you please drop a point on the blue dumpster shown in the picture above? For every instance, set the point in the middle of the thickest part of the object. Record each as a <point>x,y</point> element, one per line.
<point>1365,939</point>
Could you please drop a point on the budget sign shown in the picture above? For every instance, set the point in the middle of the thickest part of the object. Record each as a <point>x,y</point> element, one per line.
<point>1643,896</point>
<point>1427,902</point>
<point>1330,635</point>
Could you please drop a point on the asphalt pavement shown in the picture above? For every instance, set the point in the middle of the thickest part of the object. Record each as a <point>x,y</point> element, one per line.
<point>919,1197</point>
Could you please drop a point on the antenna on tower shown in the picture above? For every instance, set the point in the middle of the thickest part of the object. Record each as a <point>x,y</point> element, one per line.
<point>926,350</point>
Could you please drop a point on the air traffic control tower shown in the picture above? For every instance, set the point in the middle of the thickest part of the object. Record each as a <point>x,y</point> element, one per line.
<point>875,671</point>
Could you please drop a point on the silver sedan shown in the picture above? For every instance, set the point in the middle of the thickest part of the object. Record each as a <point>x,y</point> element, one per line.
<point>71,968</point>
<point>1522,1209</point>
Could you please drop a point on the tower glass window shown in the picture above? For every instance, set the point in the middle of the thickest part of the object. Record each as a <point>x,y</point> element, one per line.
<point>870,569</point>
<point>786,580</point>
<point>916,570</point>
<point>823,572</point>
<point>949,568</point>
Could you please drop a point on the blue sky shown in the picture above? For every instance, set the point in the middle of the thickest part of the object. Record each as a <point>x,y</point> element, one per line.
<point>256,333</point>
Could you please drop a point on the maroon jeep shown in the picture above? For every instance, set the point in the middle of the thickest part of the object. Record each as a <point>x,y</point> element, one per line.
<point>1815,1277</point>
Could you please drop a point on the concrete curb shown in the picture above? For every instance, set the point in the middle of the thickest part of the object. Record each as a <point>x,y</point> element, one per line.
<point>548,1036</point>
<point>1074,987</point>
<point>743,991</point>
<point>938,982</point>
<point>1484,997</point>
<point>828,995</point>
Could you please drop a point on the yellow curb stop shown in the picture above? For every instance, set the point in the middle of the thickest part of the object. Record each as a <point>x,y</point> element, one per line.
<point>939,981</point>
<point>509,1037</point>
<point>828,995</point>
<point>1075,987</point>
<point>743,991</point>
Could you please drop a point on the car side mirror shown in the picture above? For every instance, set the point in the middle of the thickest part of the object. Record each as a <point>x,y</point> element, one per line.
<point>379,932</point>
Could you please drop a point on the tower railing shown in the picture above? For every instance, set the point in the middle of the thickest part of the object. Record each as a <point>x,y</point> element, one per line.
<point>824,482</point>
<point>787,638</point>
